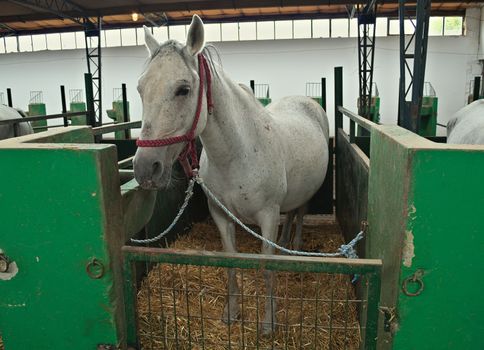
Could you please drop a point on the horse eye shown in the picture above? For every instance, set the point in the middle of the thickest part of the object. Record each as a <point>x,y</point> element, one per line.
<point>182,91</point>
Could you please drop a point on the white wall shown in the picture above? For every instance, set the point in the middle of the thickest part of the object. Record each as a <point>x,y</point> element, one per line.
<point>284,64</point>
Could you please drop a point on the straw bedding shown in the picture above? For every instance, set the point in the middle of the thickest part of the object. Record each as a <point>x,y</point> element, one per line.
<point>314,311</point>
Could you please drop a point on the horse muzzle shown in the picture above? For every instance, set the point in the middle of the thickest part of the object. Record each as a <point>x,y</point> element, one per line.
<point>150,171</point>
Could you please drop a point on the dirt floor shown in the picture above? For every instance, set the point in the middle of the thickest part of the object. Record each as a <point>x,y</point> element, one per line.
<point>180,307</point>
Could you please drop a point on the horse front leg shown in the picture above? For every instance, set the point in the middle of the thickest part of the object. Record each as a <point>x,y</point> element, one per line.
<point>226,228</point>
<point>269,221</point>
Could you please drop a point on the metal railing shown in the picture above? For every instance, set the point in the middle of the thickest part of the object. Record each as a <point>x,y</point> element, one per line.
<point>76,95</point>
<point>36,97</point>
<point>107,128</point>
<point>356,119</point>
<point>15,122</point>
<point>180,304</point>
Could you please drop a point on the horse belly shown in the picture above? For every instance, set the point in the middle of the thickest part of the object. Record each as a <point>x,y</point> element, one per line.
<point>306,164</point>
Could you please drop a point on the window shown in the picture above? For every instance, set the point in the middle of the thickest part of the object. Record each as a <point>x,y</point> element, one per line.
<point>160,34</point>
<point>393,27</point>
<point>436,26</point>
<point>339,28</point>
<point>381,26</point>
<point>247,31</point>
<point>302,29</point>
<point>2,45</point>
<point>178,33</point>
<point>453,26</point>
<point>80,40</point>
<point>128,37</point>
<point>140,36</point>
<point>265,30</point>
<point>68,41</point>
<point>230,31</point>
<point>25,43</point>
<point>113,38</point>
<point>11,44</point>
<point>321,28</point>
<point>212,32</point>
<point>53,41</point>
<point>354,28</point>
<point>283,29</point>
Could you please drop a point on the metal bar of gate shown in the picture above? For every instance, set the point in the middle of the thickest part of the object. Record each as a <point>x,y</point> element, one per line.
<point>368,267</point>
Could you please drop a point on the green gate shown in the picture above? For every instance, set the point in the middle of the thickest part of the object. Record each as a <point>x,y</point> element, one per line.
<point>179,300</point>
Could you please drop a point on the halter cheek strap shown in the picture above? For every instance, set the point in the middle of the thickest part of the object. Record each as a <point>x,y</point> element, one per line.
<point>190,150</point>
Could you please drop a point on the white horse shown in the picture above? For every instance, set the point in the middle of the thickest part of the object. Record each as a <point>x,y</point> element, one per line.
<point>467,125</point>
<point>7,131</point>
<point>258,161</point>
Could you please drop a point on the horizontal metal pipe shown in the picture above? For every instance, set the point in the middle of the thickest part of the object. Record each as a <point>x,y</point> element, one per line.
<point>116,127</point>
<point>363,122</point>
<point>125,162</point>
<point>252,261</point>
<point>41,117</point>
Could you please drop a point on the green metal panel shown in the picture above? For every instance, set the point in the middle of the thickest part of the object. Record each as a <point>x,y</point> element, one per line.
<point>428,116</point>
<point>319,100</point>
<point>63,204</point>
<point>425,202</point>
<point>38,109</point>
<point>78,107</point>
<point>117,115</point>
<point>265,100</point>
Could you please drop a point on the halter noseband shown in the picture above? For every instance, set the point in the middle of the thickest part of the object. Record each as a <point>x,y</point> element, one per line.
<point>190,149</point>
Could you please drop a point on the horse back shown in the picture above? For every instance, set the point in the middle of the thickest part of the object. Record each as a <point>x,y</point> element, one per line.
<point>294,110</point>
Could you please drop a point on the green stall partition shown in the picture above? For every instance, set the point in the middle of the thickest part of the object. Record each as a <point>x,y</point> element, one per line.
<point>425,206</point>
<point>77,104</point>
<point>67,209</point>
<point>37,107</point>
<point>117,113</point>
<point>262,93</point>
<point>428,112</point>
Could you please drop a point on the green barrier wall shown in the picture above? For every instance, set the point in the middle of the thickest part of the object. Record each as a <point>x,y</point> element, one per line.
<point>60,212</point>
<point>425,211</point>
<point>38,109</point>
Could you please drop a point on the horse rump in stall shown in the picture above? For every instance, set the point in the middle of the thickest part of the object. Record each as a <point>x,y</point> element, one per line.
<point>7,131</point>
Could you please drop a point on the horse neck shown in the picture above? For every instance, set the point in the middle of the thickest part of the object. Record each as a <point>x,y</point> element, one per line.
<point>236,115</point>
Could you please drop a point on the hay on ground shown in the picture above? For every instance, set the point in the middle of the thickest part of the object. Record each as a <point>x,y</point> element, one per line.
<point>314,311</point>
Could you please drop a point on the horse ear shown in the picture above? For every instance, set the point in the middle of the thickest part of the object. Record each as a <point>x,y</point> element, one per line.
<point>196,37</point>
<point>150,41</point>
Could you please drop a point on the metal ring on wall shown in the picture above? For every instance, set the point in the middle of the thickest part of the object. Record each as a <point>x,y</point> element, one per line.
<point>94,265</point>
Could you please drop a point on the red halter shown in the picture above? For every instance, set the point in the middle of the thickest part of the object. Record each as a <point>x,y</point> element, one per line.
<point>190,149</point>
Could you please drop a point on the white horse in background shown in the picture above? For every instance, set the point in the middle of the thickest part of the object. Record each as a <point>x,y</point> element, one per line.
<point>258,161</point>
<point>7,131</point>
<point>467,125</point>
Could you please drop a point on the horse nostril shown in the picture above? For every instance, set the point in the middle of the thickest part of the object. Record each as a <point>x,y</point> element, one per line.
<point>156,168</point>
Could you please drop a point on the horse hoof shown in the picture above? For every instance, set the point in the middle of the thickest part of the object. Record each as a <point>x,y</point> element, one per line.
<point>266,329</point>
<point>234,315</point>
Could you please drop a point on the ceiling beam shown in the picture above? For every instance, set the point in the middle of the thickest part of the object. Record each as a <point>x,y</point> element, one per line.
<point>171,5</point>
<point>63,9</point>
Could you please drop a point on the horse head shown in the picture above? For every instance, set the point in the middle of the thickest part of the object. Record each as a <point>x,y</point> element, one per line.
<point>174,105</point>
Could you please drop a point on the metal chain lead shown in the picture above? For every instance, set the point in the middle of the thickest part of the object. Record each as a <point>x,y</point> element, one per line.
<point>189,194</point>
<point>347,250</point>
